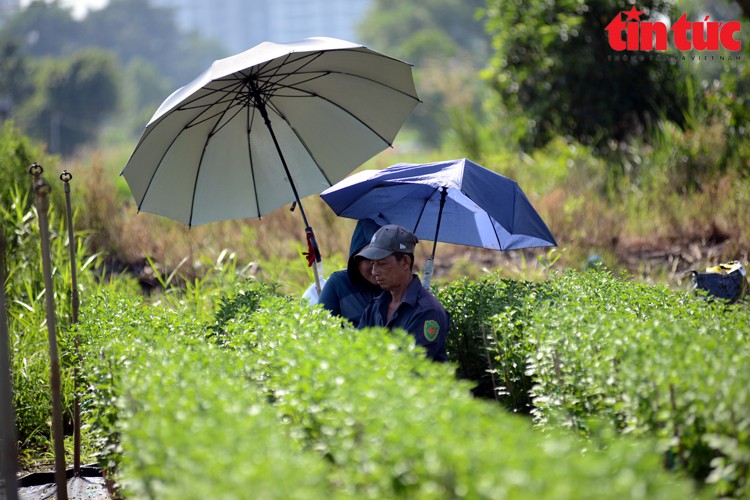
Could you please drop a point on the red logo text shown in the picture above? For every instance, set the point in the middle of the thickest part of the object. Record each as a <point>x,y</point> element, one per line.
<point>646,35</point>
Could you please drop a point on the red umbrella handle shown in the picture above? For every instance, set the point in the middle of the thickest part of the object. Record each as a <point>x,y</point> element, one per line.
<point>313,252</point>
<point>313,255</point>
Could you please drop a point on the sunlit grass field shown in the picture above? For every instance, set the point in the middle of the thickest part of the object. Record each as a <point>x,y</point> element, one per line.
<point>651,225</point>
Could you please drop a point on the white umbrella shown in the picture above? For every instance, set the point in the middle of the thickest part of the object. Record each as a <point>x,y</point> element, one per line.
<point>267,127</point>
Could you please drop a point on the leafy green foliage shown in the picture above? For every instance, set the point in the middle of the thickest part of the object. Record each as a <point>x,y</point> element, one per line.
<point>110,323</point>
<point>26,295</point>
<point>17,153</point>
<point>151,34</point>
<point>73,96</point>
<point>15,83</point>
<point>75,67</point>
<point>551,64</point>
<point>348,415</point>
<point>44,29</point>
<point>243,300</point>
<point>418,30</point>
<point>655,363</point>
<point>487,337</point>
<point>447,43</point>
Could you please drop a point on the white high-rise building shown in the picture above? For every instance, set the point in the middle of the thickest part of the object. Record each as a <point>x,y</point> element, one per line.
<point>241,24</point>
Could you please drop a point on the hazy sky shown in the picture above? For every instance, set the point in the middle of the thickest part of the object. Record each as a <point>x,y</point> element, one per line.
<point>79,6</point>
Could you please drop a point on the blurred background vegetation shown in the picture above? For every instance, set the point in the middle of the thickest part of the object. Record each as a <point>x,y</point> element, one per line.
<point>640,164</point>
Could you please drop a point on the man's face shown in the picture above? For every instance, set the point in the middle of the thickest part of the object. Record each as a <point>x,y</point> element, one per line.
<point>390,273</point>
<point>365,269</point>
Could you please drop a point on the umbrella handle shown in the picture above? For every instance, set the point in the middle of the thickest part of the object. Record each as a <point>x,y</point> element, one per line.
<point>313,244</point>
<point>313,256</point>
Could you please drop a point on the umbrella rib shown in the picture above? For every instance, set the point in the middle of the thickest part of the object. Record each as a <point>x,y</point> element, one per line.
<point>250,157</point>
<point>337,106</point>
<point>145,192</point>
<point>368,191</point>
<point>492,223</point>
<point>302,141</point>
<point>213,132</point>
<point>195,182</point>
<point>230,98</point>
<point>266,83</point>
<point>423,207</point>
<point>329,72</point>
<point>266,65</point>
<point>278,84</point>
<point>312,56</point>
<point>343,108</point>
<point>187,105</point>
<point>194,123</point>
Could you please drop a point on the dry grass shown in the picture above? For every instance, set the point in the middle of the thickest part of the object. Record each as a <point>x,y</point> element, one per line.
<point>656,234</point>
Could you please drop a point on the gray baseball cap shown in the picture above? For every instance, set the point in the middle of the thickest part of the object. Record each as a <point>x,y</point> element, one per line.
<point>389,239</point>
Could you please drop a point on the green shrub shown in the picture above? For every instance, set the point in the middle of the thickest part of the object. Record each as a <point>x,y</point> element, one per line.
<point>397,425</point>
<point>244,299</point>
<point>347,414</point>
<point>655,363</point>
<point>175,416</point>
<point>487,339</point>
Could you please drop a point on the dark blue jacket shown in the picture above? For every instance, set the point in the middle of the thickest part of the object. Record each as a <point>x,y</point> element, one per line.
<point>419,313</point>
<point>347,293</point>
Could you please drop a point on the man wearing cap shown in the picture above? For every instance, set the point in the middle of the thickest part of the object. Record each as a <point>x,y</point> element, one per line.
<point>405,303</point>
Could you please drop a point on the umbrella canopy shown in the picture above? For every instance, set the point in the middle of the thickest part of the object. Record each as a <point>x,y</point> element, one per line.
<point>454,201</point>
<point>266,127</point>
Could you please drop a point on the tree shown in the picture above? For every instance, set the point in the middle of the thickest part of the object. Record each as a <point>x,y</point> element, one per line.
<point>446,42</point>
<point>73,97</point>
<point>552,63</point>
<point>419,30</point>
<point>150,33</point>
<point>128,28</point>
<point>43,29</point>
<point>15,81</point>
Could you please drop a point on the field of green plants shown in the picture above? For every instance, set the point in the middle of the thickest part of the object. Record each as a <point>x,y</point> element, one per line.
<point>635,392</point>
<point>201,375</point>
<point>581,385</point>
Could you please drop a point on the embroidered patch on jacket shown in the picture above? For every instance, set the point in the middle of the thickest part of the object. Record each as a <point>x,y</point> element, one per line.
<point>431,329</point>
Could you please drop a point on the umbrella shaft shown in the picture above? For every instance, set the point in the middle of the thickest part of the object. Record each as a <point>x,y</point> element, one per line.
<point>440,216</point>
<point>262,108</point>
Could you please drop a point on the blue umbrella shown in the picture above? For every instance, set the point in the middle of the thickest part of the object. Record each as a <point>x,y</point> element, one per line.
<point>453,201</point>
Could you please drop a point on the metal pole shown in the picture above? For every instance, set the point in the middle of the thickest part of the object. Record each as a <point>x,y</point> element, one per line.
<point>262,108</point>
<point>8,453</point>
<point>66,177</point>
<point>42,205</point>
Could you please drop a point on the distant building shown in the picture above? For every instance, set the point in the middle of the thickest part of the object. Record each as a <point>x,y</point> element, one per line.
<point>242,24</point>
<point>7,9</point>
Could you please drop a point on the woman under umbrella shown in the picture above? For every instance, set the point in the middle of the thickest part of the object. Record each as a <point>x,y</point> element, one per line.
<point>348,292</point>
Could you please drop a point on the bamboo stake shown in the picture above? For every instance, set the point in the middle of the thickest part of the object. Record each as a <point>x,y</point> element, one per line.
<point>66,177</point>
<point>8,454</point>
<point>42,205</point>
